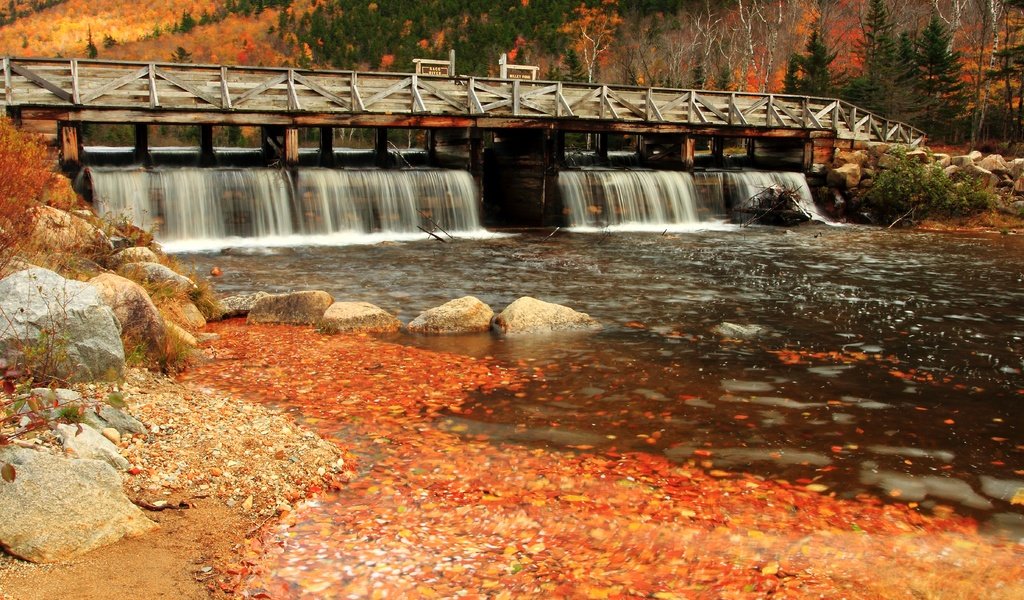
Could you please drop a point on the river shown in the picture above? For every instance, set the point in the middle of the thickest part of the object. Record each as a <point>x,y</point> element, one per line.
<point>879,362</point>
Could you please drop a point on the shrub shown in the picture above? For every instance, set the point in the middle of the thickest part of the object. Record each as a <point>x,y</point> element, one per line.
<point>910,187</point>
<point>24,175</point>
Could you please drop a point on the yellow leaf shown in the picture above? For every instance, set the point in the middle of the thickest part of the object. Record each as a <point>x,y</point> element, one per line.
<point>771,568</point>
<point>573,498</point>
<point>1018,498</point>
<point>816,487</point>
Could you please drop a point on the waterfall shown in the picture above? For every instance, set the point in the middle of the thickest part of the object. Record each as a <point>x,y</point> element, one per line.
<point>633,199</point>
<point>209,208</point>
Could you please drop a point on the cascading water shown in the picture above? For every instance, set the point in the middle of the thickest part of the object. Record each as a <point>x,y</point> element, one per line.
<point>201,208</point>
<point>632,199</point>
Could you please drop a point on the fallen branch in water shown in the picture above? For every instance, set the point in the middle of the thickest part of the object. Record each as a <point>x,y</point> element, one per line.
<point>433,235</point>
<point>905,215</point>
<point>552,233</point>
<point>435,224</point>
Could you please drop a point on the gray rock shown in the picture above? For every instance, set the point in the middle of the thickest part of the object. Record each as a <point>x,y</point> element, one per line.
<point>888,161</point>
<point>1017,168</point>
<point>845,177</point>
<point>55,228</point>
<point>84,336</point>
<point>975,155</point>
<point>845,157</point>
<point>57,398</point>
<point>962,161</point>
<point>735,330</point>
<point>878,149</point>
<point>109,416</point>
<point>463,315</point>
<point>920,156</point>
<point>529,315</point>
<point>943,160</point>
<point>134,254</point>
<point>240,305</point>
<point>58,508</point>
<point>141,322</point>
<point>296,308</point>
<point>156,273</point>
<point>986,177</point>
<point>995,163</point>
<point>357,317</point>
<point>86,442</point>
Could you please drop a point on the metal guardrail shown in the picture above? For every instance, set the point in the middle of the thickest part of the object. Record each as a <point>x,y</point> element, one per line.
<point>112,86</point>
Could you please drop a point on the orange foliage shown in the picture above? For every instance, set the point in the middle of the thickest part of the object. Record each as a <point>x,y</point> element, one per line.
<point>25,174</point>
<point>386,61</point>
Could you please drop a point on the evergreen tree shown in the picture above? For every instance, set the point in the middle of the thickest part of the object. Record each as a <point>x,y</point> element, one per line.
<point>181,55</point>
<point>938,80</point>
<point>810,73</point>
<point>881,85</point>
<point>91,51</point>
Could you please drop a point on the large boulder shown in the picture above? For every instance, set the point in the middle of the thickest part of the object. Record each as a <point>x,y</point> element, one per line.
<point>919,156</point>
<point>109,417</point>
<point>62,231</point>
<point>133,254</point>
<point>1017,168</point>
<point>845,177</point>
<point>86,442</point>
<point>987,178</point>
<point>141,323</point>
<point>58,508</point>
<point>995,163</point>
<point>158,274</point>
<point>463,315</point>
<point>357,317</point>
<point>240,305</point>
<point>962,161</point>
<point>63,321</point>
<point>529,315</point>
<point>295,308</point>
<point>845,157</point>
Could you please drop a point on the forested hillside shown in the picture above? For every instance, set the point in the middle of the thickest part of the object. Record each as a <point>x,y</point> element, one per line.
<point>953,67</point>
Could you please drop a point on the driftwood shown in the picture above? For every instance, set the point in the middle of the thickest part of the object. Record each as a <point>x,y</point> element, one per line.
<point>433,235</point>
<point>181,505</point>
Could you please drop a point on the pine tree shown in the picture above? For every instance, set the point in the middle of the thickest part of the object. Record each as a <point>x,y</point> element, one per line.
<point>792,84</point>
<point>91,51</point>
<point>938,79</point>
<point>881,85</point>
<point>811,72</point>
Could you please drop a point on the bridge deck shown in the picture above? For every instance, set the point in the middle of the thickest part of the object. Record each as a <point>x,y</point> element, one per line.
<point>129,92</point>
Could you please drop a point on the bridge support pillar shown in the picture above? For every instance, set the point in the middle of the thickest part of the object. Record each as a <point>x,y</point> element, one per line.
<point>522,179</point>
<point>207,157</point>
<point>380,146</point>
<point>689,150</point>
<point>718,151</point>
<point>602,148</point>
<point>142,145</point>
<point>327,147</point>
<point>291,147</point>
<point>70,139</point>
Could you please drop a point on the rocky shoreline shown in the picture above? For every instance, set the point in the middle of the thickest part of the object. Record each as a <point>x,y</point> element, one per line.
<point>199,446</point>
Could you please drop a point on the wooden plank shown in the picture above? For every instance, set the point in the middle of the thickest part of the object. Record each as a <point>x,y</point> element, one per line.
<point>321,90</point>
<point>114,85</point>
<point>357,100</point>
<point>706,103</point>
<point>417,100</point>
<point>590,96</point>
<point>75,98</point>
<point>41,82</point>
<point>225,93</point>
<point>630,106</point>
<point>562,107</point>
<point>293,96</point>
<point>516,100</point>
<point>188,87</point>
<point>8,90</point>
<point>154,98</point>
<point>475,108</point>
<point>385,93</point>
<point>441,94</point>
<point>262,87</point>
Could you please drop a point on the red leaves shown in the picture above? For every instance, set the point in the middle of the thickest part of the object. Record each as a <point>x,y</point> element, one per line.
<point>441,512</point>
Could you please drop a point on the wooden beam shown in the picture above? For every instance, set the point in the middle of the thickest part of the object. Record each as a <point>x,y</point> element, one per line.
<point>154,98</point>
<point>142,155</point>
<point>70,135</point>
<point>225,92</point>
<point>293,96</point>
<point>188,87</point>
<point>266,85</point>
<point>115,84</point>
<point>291,147</point>
<point>75,99</point>
<point>42,82</point>
<point>382,157</point>
<point>207,157</point>
<point>8,89</point>
<point>688,151</point>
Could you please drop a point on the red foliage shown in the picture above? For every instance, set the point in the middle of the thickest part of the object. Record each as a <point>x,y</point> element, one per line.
<point>443,511</point>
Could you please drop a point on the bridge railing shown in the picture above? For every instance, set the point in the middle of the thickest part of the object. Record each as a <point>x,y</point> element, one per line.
<point>115,85</point>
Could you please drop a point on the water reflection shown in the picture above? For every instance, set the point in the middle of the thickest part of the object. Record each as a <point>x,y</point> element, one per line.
<point>885,362</point>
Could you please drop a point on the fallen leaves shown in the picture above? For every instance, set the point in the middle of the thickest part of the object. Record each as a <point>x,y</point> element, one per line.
<point>445,513</point>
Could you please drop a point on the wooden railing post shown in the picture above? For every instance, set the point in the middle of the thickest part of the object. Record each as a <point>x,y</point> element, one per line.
<point>70,135</point>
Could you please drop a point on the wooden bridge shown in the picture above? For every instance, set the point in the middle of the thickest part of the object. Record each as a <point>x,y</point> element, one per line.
<point>525,117</point>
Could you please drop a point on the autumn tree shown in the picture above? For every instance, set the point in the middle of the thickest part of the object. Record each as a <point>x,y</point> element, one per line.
<point>885,78</point>
<point>592,32</point>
